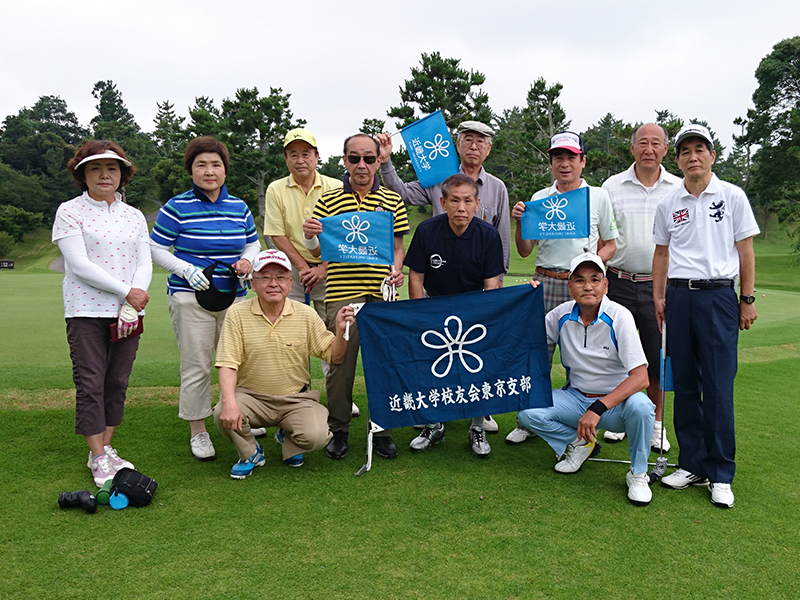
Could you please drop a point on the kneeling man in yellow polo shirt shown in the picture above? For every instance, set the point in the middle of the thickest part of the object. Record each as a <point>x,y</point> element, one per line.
<point>262,359</point>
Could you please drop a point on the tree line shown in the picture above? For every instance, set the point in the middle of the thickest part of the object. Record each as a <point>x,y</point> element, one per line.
<point>37,142</point>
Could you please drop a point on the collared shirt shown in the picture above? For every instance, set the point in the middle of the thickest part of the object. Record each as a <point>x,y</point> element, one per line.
<point>702,232</point>
<point>288,206</point>
<point>453,264</point>
<point>491,190</point>
<point>598,356</point>
<point>634,209</point>
<point>203,231</point>
<point>113,236</point>
<point>351,280</point>
<point>557,254</point>
<point>272,358</point>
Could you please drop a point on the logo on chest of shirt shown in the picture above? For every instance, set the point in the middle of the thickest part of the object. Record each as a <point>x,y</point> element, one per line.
<point>718,210</point>
<point>437,261</point>
<point>680,217</point>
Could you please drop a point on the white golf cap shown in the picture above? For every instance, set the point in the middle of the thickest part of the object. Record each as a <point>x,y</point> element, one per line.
<point>271,257</point>
<point>692,130</point>
<point>105,154</point>
<point>586,257</point>
<point>567,140</point>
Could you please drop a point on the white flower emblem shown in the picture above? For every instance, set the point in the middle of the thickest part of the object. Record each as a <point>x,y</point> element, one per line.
<point>439,145</point>
<point>455,345</point>
<point>555,205</point>
<point>355,226</point>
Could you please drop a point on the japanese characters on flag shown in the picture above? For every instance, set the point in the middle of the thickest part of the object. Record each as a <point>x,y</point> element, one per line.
<point>455,357</point>
<point>431,149</point>
<point>557,217</point>
<point>358,237</point>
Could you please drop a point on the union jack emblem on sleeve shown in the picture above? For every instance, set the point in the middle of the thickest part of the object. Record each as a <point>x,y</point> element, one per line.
<point>679,216</point>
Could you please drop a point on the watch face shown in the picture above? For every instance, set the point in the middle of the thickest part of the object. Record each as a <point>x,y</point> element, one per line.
<point>748,299</point>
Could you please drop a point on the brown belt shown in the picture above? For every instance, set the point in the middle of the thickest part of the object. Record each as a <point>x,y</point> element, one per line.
<point>635,277</point>
<point>590,395</point>
<point>555,274</point>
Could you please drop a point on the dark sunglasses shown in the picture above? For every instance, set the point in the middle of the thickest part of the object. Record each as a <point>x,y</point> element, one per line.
<point>354,160</point>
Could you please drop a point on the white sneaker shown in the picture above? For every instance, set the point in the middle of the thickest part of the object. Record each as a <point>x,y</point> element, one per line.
<point>721,495</point>
<point>638,488</point>
<point>258,432</point>
<point>202,448</point>
<point>519,435</point>
<point>576,454</point>
<point>354,411</point>
<point>681,479</point>
<point>102,470</point>
<point>117,463</point>
<point>655,441</point>
<point>613,436</point>
<point>490,425</point>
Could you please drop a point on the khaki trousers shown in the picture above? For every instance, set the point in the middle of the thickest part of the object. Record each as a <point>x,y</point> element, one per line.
<point>303,419</point>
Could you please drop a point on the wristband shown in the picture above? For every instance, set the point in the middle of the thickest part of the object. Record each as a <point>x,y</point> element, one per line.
<point>311,244</point>
<point>598,408</point>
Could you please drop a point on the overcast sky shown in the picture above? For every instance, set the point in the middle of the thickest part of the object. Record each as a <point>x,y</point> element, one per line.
<point>345,61</point>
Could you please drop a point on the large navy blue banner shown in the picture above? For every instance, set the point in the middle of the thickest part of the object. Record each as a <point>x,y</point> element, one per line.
<point>557,217</point>
<point>454,357</point>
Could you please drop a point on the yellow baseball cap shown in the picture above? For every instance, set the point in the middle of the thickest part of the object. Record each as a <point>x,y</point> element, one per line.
<point>300,134</point>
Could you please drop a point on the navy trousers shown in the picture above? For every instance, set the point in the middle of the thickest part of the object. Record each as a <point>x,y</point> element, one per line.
<point>702,338</point>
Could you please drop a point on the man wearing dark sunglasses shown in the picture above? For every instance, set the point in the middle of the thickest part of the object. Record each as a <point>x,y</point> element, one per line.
<point>354,283</point>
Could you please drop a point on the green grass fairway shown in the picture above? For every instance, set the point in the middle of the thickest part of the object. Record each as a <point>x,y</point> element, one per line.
<point>438,525</point>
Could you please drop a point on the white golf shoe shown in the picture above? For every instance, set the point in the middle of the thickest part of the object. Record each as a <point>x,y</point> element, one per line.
<point>639,492</point>
<point>490,425</point>
<point>681,479</point>
<point>721,495</point>
<point>655,441</point>
<point>519,435</point>
<point>576,454</point>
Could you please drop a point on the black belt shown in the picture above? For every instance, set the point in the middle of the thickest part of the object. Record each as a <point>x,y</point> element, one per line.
<point>701,284</point>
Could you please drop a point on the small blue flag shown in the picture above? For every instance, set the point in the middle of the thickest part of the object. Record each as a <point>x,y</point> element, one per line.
<point>431,149</point>
<point>454,357</point>
<point>557,217</point>
<point>358,237</point>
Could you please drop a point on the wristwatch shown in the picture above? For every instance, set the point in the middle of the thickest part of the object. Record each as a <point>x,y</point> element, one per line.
<point>747,299</point>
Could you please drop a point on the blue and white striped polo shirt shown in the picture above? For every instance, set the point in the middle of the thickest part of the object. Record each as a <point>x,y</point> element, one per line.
<point>203,232</point>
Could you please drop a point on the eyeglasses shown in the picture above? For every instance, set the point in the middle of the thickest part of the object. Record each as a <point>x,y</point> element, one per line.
<point>479,142</point>
<point>354,160</point>
<point>269,278</point>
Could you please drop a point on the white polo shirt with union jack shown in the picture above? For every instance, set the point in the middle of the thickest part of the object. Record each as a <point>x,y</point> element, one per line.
<point>702,232</point>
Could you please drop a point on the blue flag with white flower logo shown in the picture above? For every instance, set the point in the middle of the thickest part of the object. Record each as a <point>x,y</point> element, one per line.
<point>358,237</point>
<point>557,217</point>
<point>455,357</point>
<point>431,149</point>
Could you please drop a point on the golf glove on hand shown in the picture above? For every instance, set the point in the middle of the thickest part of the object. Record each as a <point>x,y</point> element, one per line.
<point>127,321</point>
<point>194,276</point>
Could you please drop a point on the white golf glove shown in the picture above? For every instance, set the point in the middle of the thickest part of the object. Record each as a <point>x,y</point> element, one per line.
<point>194,276</point>
<point>127,321</point>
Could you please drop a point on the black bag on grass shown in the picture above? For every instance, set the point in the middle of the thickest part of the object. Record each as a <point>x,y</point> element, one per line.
<point>137,487</point>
